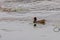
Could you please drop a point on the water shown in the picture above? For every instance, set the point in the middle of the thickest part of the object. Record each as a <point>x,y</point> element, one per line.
<point>19,26</point>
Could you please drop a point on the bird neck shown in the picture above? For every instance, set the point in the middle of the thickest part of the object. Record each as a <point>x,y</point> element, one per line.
<point>34,21</point>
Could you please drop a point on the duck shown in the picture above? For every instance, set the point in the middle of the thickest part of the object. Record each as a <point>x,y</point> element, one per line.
<point>42,21</point>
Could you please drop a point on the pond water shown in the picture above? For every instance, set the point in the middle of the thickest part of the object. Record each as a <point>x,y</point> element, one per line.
<point>18,26</point>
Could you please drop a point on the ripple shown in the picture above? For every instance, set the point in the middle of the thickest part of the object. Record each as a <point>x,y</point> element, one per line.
<point>8,30</point>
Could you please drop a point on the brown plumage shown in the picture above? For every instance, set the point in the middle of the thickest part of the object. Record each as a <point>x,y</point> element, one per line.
<point>39,21</point>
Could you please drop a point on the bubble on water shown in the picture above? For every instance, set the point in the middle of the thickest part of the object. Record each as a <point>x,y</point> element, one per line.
<point>56,29</point>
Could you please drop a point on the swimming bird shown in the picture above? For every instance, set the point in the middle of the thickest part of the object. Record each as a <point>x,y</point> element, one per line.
<point>42,21</point>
